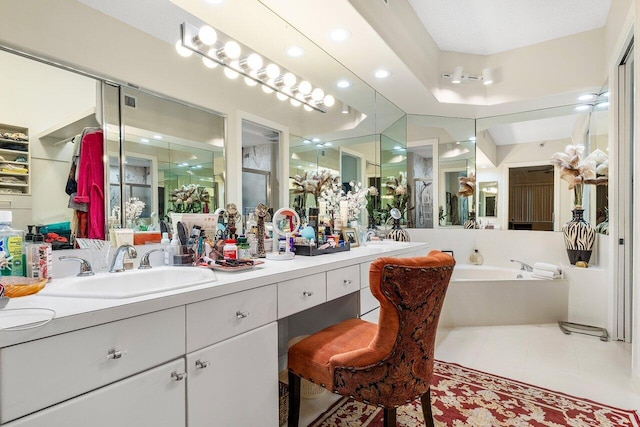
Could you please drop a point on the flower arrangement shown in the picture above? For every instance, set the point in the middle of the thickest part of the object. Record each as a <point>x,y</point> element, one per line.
<point>355,199</point>
<point>189,198</point>
<point>593,169</point>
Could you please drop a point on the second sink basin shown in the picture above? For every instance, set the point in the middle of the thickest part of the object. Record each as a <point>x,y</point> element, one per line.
<point>129,284</point>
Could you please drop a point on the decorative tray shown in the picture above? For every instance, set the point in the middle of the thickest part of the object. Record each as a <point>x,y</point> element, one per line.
<point>222,267</point>
<point>307,250</point>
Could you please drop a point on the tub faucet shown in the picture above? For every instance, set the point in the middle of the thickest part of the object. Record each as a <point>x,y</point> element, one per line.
<point>117,265</point>
<point>523,265</point>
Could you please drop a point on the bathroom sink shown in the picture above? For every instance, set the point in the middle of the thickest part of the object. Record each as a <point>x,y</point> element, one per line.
<point>128,284</point>
<point>386,243</point>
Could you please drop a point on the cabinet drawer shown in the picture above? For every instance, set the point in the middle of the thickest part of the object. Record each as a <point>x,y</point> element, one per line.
<point>214,320</point>
<point>364,274</point>
<point>342,281</point>
<point>44,372</point>
<point>300,294</point>
<point>8,202</point>
<point>141,400</point>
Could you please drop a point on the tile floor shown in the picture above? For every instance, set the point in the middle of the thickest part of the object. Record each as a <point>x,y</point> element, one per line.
<point>542,355</point>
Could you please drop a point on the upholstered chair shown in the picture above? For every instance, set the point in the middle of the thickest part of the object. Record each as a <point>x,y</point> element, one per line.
<point>389,364</point>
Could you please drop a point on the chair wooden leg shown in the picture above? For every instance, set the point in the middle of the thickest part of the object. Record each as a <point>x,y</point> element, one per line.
<point>389,417</point>
<point>294,399</point>
<point>425,399</point>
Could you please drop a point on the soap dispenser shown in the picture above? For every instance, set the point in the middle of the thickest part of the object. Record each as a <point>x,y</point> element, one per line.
<point>476,258</point>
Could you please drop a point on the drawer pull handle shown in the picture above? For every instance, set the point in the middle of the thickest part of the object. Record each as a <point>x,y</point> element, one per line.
<point>347,282</point>
<point>307,293</point>
<point>178,376</point>
<point>201,365</point>
<point>114,354</point>
<point>242,314</point>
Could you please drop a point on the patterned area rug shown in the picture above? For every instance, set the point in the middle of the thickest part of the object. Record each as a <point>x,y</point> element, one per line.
<point>463,397</point>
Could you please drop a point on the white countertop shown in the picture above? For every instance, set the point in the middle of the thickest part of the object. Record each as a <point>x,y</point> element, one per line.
<point>77,313</point>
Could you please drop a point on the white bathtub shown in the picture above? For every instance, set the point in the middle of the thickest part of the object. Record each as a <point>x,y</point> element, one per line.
<point>486,295</point>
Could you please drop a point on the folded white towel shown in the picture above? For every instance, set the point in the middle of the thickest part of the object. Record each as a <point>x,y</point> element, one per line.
<point>546,267</point>
<point>541,277</point>
<point>545,274</point>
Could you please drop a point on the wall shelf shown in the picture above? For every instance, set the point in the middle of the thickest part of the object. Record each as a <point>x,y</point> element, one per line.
<point>65,131</point>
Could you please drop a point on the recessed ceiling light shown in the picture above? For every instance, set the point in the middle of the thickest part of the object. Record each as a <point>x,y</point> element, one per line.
<point>144,140</point>
<point>343,84</point>
<point>340,34</point>
<point>605,94</point>
<point>157,136</point>
<point>327,144</point>
<point>295,51</point>
<point>382,73</point>
<point>306,141</point>
<point>583,107</point>
<point>316,140</point>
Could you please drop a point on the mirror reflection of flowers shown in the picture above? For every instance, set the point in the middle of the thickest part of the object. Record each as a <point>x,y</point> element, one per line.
<point>311,183</point>
<point>189,199</point>
<point>467,185</point>
<point>593,169</point>
<point>356,200</point>
<point>133,209</point>
<point>400,192</point>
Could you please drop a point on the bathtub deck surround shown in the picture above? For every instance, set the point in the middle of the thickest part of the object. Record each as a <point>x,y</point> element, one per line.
<point>193,349</point>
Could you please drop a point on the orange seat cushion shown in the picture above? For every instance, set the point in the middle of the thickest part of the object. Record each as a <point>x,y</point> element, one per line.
<point>311,358</point>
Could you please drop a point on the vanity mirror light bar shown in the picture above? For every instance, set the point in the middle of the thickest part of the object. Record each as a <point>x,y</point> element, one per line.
<point>204,42</point>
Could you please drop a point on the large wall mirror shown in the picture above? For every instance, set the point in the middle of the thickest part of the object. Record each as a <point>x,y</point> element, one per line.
<point>516,154</point>
<point>443,155</point>
<point>49,106</point>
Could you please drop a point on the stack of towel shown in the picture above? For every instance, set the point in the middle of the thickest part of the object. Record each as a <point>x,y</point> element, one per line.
<point>543,270</point>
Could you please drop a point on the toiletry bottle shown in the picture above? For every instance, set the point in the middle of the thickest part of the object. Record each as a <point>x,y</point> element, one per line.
<point>11,246</point>
<point>174,250</point>
<point>166,245</point>
<point>39,257</point>
<point>230,249</point>
<point>476,258</point>
<point>244,250</point>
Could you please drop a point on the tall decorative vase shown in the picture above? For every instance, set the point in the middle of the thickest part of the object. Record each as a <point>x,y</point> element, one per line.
<point>471,222</point>
<point>579,237</point>
<point>397,233</point>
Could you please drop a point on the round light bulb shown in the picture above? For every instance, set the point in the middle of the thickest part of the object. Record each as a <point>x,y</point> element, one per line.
<point>306,107</point>
<point>183,51</point>
<point>209,63</point>
<point>230,72</point>
<point>281,96</point>
<point>300,97</point>
<point>249,81</point>
<point>305,87</point>
<point>254,61</point>
<point>317,94</point>
<point>267,89</point>
<point>232,49</point>
<point>329,101</point>
<point>295,102</point>
<point>289,79</point>
<point>207,35</point>
<point>273,71</point>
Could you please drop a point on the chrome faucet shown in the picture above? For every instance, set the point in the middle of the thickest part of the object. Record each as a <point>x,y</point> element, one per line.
<point>144,261</point>
<point>523,265</point>
<point>117,265</point>
<point>85,267</point>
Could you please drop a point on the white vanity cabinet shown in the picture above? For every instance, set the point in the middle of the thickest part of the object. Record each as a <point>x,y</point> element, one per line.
<point>152,398</point>
<point>232,360</point>
<point>234,382</point>
<point>41,373</point>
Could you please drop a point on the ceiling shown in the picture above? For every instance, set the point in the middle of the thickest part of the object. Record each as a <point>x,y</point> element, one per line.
<point>484,27</point>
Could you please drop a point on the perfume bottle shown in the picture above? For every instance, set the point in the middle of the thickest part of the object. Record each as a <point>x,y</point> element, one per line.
<point>476,258</point>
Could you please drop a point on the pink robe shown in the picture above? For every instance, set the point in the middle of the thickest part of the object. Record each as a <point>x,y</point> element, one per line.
<point>90,177</point>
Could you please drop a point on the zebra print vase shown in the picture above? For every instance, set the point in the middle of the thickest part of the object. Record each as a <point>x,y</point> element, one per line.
<point>579,237</point>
